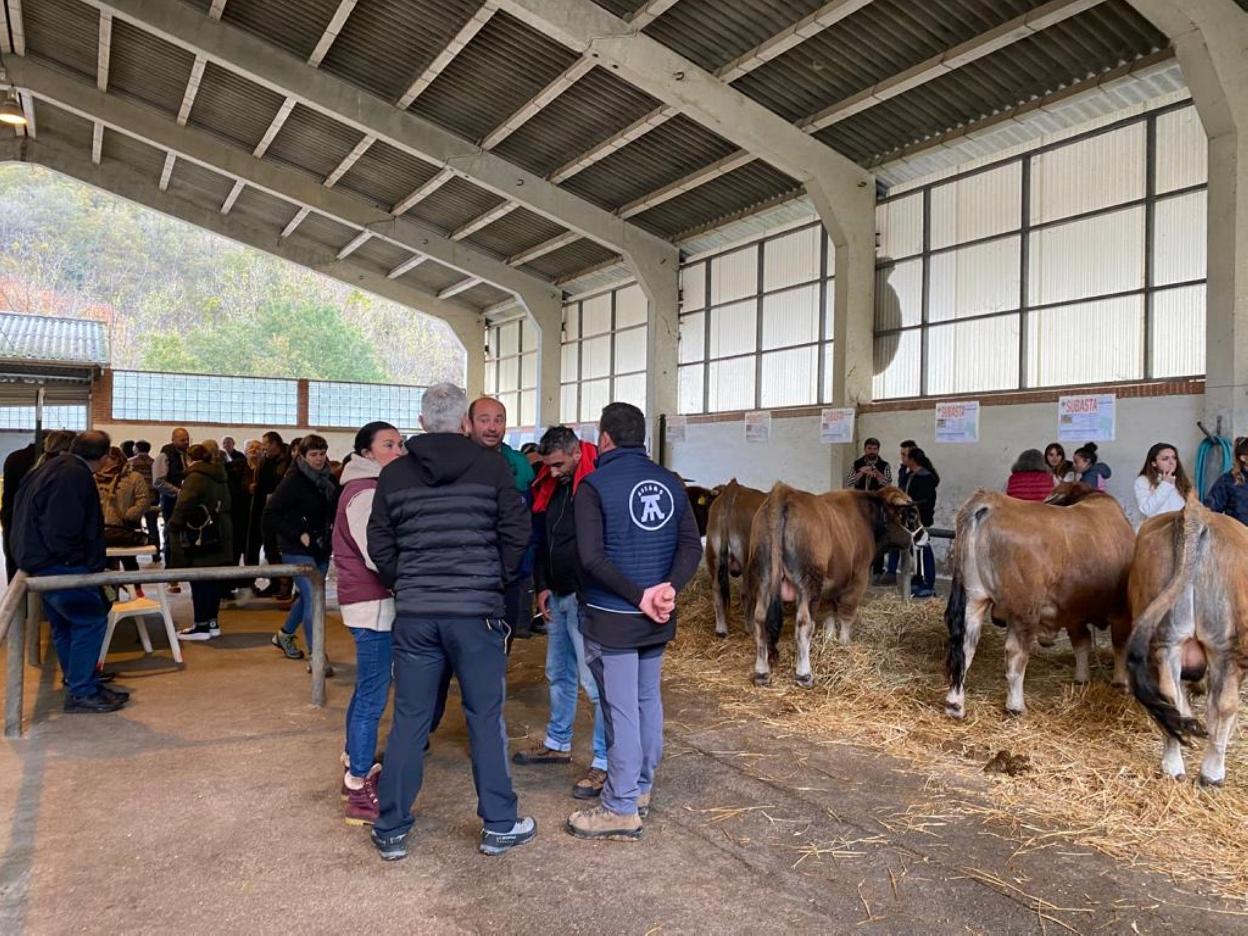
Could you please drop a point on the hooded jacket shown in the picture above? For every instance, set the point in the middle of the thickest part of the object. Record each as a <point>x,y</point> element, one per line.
<point>558,566</point>
<point>203,486</point>
<point>124,498</point>
<point>57,520</point>
<point>448,528</point>
<point>365,600</point>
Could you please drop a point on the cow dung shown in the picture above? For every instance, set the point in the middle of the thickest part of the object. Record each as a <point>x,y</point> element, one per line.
<point>1012,765</point>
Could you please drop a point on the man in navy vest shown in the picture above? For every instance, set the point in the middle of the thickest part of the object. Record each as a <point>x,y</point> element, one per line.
<point>638,544</point>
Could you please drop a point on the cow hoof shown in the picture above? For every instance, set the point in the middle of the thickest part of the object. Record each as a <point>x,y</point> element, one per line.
<point>762,679</point>
<point>955,711</point>
<point>1120,685</point>
<point>721,634</point>
<point>807,681</point>
<point>1082,682</point>
<point>1202,780</point>
<point>1014,713</point>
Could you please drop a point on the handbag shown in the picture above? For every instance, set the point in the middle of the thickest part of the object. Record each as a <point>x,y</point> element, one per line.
<point>202,536</point>
<point>123,536</point>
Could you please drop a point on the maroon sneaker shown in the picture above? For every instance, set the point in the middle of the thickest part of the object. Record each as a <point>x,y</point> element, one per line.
<point>361,806</point>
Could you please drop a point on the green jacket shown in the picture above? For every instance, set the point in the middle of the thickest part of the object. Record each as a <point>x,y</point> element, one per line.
<point>205,486</point>
<point>521,470</point>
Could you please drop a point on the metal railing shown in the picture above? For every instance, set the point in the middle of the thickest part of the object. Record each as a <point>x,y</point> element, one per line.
<point>14,611</point>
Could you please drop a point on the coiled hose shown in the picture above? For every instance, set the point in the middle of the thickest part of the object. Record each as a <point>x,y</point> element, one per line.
<point>1210,445</point>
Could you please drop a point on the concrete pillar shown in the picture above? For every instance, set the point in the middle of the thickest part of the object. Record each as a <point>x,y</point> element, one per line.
<point>546,312</point>
<point>1211,41</point>
<point>851,225</point>
<point>659,278</point>
<point>471,335</point>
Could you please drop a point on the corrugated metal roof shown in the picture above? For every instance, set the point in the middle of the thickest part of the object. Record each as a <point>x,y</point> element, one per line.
<point>54,340</point>
<point>712,33</point>
<point>386,174</point>
<point>293,25</point>
<point>593,109</point>
<point>233,107</point>
<point>320,231</point>
<point>148,160</point>
<point>386,44</point>
<point>578,255</point>
<point>199,185</point>
<point>64,31</point>
<point>501,68</point>
<point>261,208</point>
<point>432,277</point>
<point>147,68</point>
<point>70,128</point>
<point>749,187</point>
<point>621,7</point>
<point>310,140</point>
<point>454,204</point>
<point>516,231</point>
<point>482,295</point>
<point>379,255</point>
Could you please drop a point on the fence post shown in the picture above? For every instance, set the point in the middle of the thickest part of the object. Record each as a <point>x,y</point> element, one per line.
<point>15,673</point>
<point>34,617</point>
<point>318,638</point>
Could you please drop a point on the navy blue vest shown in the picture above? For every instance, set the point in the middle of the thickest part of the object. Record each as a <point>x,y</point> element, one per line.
<point>642,504</point>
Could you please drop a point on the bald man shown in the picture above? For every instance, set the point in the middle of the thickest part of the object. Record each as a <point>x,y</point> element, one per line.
<point>168,472</point>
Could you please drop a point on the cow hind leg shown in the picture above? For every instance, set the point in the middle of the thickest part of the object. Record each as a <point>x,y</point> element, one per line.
<point>1081,640</point>
<point>1169,681</point>
<point>975,614</point>
<point>1120,633</point>
<point>762,643</point>
<point>805,630</point>
<point>720,597</point>
<point>1017,652</point>
<point>1222,709</point>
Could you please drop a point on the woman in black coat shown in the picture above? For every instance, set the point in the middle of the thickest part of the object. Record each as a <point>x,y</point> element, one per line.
<point>201,534</point>
<point>921,484</point>
<point>301,514</point>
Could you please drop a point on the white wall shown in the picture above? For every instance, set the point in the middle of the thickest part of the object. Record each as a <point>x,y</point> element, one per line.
<point>339,442</point>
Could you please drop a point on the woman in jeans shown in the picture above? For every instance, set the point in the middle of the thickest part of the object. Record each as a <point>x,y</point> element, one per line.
<point>921,484</point>
<point>201,535</point>
<point>301,512</point>
<point>367,610</point>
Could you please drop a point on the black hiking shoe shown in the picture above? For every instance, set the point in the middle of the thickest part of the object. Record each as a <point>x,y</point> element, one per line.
<point>390,847</point>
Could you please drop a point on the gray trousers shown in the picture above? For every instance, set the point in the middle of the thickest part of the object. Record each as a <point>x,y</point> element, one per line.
<point>632,712</point>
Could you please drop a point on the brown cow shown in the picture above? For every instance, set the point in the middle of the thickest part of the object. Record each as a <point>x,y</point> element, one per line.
<point>1039,568</point>
<point>804,547</point>
<point>1189,595</point>
<point>700,500</point>
<point>728,545</point>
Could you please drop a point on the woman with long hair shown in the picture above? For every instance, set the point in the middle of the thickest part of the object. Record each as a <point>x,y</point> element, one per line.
<point>1059,466</point>
<point>1162,485</point>
<point>921,484</point>
<point>202,535</point>
<point>1230,492</point>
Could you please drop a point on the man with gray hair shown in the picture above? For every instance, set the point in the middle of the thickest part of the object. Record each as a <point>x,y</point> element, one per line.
<point>448,527</point>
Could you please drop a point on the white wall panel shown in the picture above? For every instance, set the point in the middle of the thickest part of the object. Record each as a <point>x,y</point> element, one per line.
<point>692,338</point>
<point>1179,332</point>
<point>596,357</point>
<point>692,287</point>
<point>731,384</point>
<point>969,357</point>
<point>1089,342</point>
<point>690,389</point>
<point>980,205</point>
<point>791,317</point>
<point>1103,170</point>
<point>791,259</point>
<point>734,329</point>
<point>897,365</point>
<point>1179,241</point>
<point>596,315</point>
<point>899,295</point>
<point>630,306</point>
<point>1091,257</point>
<point>734,275</point>
<point>975,280</point>
<point>1182,150</point>
<point>630,351</point>
<point>790,378</point>
<point>899,224</point>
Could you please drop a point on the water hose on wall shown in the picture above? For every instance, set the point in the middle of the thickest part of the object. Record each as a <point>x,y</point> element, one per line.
<point>1207,456</point>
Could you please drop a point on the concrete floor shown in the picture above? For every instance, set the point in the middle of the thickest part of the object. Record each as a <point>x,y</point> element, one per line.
<point>210,805</point>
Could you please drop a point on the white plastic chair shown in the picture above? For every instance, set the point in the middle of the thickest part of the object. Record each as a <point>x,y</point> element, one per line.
<point>139,608</point>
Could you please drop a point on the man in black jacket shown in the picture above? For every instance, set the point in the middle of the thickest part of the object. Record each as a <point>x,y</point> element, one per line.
<point>16,466</point>
<point>448,527</point>
<point>59,530</point>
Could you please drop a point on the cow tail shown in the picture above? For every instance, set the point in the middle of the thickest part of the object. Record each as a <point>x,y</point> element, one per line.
<point>777,520</point>
<point>955,620</point>
<point>723,552</point>
<point>1190,539</point>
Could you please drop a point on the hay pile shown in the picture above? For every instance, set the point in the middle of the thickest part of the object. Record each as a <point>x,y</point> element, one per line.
<point>1081,766</point>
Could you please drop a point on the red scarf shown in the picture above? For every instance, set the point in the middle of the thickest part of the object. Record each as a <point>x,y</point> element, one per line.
<point>545,483</point>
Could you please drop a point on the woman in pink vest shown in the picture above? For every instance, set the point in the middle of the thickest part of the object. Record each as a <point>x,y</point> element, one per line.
<point>368,611</point>
<point>1030,478</point>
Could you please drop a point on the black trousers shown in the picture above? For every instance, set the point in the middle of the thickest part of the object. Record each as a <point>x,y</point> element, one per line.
<point>206,600</point>
<point>426,652</point>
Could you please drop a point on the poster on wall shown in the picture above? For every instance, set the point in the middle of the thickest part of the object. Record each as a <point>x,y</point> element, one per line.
<point>957,422</point>
<point>676,428</point>
<point>758,426</point>
<point>1090,417</point>
<point>836,425</point>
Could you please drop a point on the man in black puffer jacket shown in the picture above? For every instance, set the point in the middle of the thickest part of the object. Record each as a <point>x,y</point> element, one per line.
<point>448,528</point>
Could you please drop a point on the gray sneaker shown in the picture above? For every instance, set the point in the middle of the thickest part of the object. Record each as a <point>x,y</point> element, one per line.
<point>496,843</point>
<point>286,643</point>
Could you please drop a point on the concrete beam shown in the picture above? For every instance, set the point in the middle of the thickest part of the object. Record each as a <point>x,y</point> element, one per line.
<point>570,76</point>
<point>260,62</point>
<point>485,219</point>
<point>17,27</point>
<point>410,264</point>
<point>405,204</point>
<point>274,128</point>
<point>447,55</point>
<point>230,199</point>
<point>105,50</point>
<point>97,142</point>
<point>462,286</point>
<point>649,11</point>
<point>355,244</point>
<point>557,242</point>
<point>294,222</point>
<point>289,184</point>
<point>336,22</point>
<point>349,160</point>
<point>167,171</point>
<point>121,180</point>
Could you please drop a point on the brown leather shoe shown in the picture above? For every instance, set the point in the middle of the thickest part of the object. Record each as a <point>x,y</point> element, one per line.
<point>541,754</point>
<point>601,823</point>
<point>643,805</point>
<point>590,785</point>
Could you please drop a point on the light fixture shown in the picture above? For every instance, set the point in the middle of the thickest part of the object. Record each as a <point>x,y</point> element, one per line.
<point>11,112</point>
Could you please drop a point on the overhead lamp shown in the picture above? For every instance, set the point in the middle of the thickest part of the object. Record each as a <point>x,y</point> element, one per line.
<point>11,112</point>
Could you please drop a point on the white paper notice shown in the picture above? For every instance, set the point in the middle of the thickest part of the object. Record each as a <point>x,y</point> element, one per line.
<point>836,425</point>
<point>758,426</point>
<point>676,428</point>
<point>957,422</point>
<point>1088,418</point>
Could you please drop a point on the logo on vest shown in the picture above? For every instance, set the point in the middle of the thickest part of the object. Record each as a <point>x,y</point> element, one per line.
<point>651,505</point>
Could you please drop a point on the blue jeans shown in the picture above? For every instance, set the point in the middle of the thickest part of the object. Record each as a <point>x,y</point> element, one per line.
<point>565,667</point>
<point>632,707</point>
<point>373,658</point>
<point>79,620</point>
<point>925,575</point>
<point>301,610</point>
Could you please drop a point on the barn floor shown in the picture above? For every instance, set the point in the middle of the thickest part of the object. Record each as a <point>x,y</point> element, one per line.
<point>210,805</point>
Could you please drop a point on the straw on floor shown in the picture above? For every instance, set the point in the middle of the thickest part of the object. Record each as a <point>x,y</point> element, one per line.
<point>1081,766</point>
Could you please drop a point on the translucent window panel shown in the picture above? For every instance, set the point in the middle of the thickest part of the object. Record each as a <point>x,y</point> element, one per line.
<point>491,377</point>
<point>791,259</point>
<point>631,389</point>
<point>965,357</point>
<point>595,394</point>
<point>1091,342</point>
<point>630,350</point>
<point>630,306</point>
<point>829,311</point>
<point>734,329</point>
<point>692,338</point>
<point>897,359</point>
<point>980,205</point>
<point>1103,170</point>
<point>1180,239</point>
<point>528,371</point>
<point>898,295</point>
<point>572,321</point>
<point>571,361</point>
<point>1091,257</point>
<point>508,339</point>
<point>596,315</point>
<point>900,226</point>
<point>692,287</point>
<point>1182,150</point>
<point>734,275</point>
<point>791,317</point>
<point>568,403</point>
<point>528,408</point>
<point>731,385</point>
<point>509,374</point>
<point>790,378</point>
<point>831,247</point>
<point>975,280</point>
<point>511,402</point>
<point>1178,332</point>
<point>690,389</point>
<point>54,417</point>
<point>596,357</point>
<point>826,395</point>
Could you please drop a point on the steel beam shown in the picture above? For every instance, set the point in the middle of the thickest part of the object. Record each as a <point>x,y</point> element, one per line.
<point>447,55</point>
